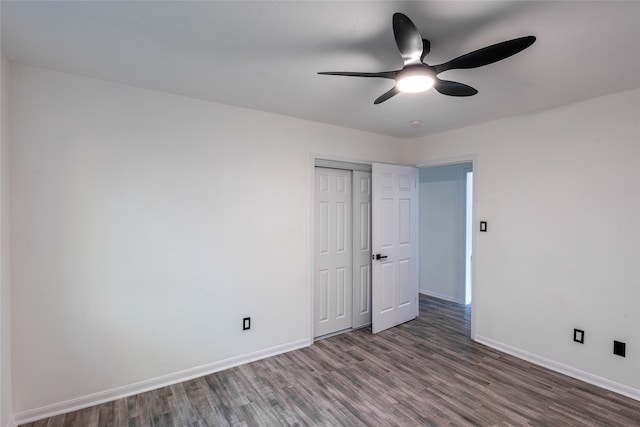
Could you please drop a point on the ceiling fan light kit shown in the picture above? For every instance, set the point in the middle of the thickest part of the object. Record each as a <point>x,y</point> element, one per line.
<point>414,79</point>
<point>418,76</point>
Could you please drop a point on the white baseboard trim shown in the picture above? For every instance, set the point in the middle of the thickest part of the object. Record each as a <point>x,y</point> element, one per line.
<point>441,296</point>
<point>152,384</point>
<point>570,371</point>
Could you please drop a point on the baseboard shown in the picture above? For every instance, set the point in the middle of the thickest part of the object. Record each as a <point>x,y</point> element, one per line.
<point>152,384</point>
<point>570,371</point>
<point>441,296</point>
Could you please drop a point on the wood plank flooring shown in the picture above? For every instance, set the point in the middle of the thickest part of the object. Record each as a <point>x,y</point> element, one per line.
<point>426,372</point>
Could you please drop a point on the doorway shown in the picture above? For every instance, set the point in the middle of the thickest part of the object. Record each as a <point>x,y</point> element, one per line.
<point>446,230</point>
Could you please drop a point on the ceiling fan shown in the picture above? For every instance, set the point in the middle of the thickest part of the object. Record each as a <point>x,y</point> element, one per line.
<point>418,76</point>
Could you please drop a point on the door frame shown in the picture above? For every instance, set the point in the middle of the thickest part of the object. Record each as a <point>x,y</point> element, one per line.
<point>326,161</point>
<point>473,159</point>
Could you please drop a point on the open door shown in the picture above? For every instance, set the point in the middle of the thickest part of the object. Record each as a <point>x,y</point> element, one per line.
<point>395,246</point>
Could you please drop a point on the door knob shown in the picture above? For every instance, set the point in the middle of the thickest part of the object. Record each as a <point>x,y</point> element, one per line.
<point>378,257</point>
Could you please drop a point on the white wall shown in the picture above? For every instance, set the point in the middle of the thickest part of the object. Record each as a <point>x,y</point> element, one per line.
<point>5,290</point>
<point>560,190</point>
<point>442,191</point>
<point>147,225</point>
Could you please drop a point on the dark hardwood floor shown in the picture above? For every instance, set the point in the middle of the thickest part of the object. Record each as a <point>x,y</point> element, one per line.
<point>425,372</point>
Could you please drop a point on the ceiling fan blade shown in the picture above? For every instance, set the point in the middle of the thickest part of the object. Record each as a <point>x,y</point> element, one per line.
<point>408,39</point>
<point>392,92</point>
<point>450,88</point>
<point>487,55</point>
<point>383,74</point>
<point>426,48</point>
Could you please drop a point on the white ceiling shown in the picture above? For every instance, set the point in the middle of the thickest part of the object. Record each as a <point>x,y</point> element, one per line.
<point>264,55</point>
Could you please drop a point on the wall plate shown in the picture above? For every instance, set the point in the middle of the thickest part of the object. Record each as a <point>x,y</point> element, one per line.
<point>619,348</point>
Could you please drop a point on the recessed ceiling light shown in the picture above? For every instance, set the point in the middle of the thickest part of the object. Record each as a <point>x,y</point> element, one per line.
<point>415,122</point>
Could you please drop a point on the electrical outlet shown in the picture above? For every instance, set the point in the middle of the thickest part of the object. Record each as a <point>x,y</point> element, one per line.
<point>619,348</point>
<point>578,336</point>
<point>246,323</point>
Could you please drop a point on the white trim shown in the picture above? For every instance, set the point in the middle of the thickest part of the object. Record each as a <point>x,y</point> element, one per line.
<point>470,158</point>
<point>338,159</point>
<point>153,383</point>
<point>441,296</point>
<point>312,245</point>
<point>570,371</point>
<point>334,164</point>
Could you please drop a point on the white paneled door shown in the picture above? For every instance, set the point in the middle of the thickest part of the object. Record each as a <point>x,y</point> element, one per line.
<point>333,304</point>
<point>395,246</point>
<point>361,248</point>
